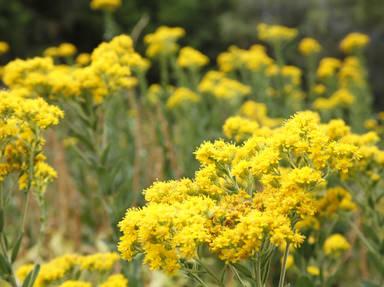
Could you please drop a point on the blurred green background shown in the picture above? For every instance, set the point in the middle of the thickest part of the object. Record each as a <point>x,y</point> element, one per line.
<point>212,25</point>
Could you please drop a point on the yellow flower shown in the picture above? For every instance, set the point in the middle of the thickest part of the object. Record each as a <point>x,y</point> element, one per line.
<point>109,5</point>
<point>241,197</point>
<point>222,87</point>
<point>99,261</point>
<point>182,96</point>
<point>254,59</point>
<point>335,244</point>
<point>354,42</point>
<point>4,47</point>
<point>83,59</point>
<point>309,46</point>
<point>328,67</point>
<point>66,50</point>
<point>75,283</point>
<point>276,33</point>
<point>163,41</point>
<point>116,280</point>
<point>191,58</point>
<point>313,270</point>
<point>23,271</point>
<point>340,98</point>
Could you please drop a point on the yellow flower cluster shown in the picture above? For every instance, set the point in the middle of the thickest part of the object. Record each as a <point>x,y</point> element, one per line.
<point>335,244</point>
<point>191,58</point>
<point>4,47</point>
<point>109,5</point>
<point>116,280</point>
<point>341,98</point>
<point>163,41</point>
<point>63,50</point>
<point>21,124</point>
<point>328,67</point>
<point>243,198</point>
<point>258,112</point>
<point>354,42</point>
<point>335,199</point>
<point>109,72</point>
<point>75,283</point>
<point>222,87</point>
<point>65,268</point>
<point>182,96</point>
<point>253,59</point>
<point>350,72</point>
<point>83,59</point>
<point>309,46</point>
<point>276,33</point>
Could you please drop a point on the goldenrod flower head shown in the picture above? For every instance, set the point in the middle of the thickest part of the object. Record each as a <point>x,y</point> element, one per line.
<point>83,59</point>
<point>4,47</point>
<point>334,200</point>
<point>222,87</point>
<point>351,71</point>
<point>66,269</point>
<point>254,59</point>
<point>319,89</point>
<point>116,280</point>
<point>328,67</point>
<point>27,73</point>
<point>191,58</point>
<point>276,33</point>
<point>66,49</point>
<point>23,271</point>
<point>340,98</point>
<point>75,283</point>
<point>354,42</point>
<point>163,41</point>
<point>242,196</point>
<point>293,73</point>
<point>239,128</point>
<point>309,46</point>
<point>335,244</point>
<point>99,261</point>
<point>109,5</point>
<point>370,124</point>
<point>182,96</point>
<point>313,270</point>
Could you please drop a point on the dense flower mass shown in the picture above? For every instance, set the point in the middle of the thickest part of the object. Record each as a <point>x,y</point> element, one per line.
<point>21,125</point>
<point>109,72</point>
<point>66,270</point>
<point>354,42</point>
<point>163,41</point>
<point>242,198</point>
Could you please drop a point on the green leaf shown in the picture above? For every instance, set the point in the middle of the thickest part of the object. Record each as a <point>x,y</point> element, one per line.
<point>244,270</point>
<point>31,277</point>
<point>4,265</point>
<point>16,248</point>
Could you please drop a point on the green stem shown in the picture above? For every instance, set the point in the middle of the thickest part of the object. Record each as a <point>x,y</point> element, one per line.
<point>284,266</point>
